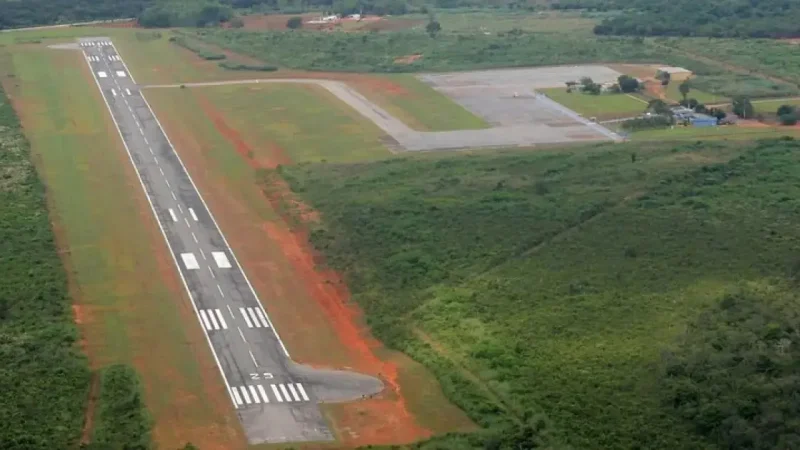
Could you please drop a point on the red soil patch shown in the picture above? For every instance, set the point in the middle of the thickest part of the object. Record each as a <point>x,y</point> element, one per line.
<point>752,124</point>
<point>384,419</point>
<point>379,86</point>
<point>269,157</point>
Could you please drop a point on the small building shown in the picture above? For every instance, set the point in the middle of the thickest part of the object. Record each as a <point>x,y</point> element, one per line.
<point>703,120</point>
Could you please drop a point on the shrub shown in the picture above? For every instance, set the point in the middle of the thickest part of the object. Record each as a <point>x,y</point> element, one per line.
<point>121,419</point>
<point>646,123</point>
<point>241,66</point>
<point>294,23</point>
<point>789,119</point>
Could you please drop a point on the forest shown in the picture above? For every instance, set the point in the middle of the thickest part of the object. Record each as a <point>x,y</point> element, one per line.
<point>728,18</point>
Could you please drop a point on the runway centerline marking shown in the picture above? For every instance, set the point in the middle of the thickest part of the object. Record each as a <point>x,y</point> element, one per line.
<point>211,272</point>
<point>161,170</point>
<point>187,222</point>
<point>155,159</point>
<point>194,237</point>
<point>167,181</point>
<point>253,357</point>
<point>180,208</point>
<point>231,312</point>
<point>173,195</point>
<point>203,253</point>
<point>222,294</point>
<point>241,334</point>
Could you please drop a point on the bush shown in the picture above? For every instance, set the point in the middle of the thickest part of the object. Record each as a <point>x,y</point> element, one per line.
<point>784,110</point>
<point>789,119</point>
<point>294,23</point>
<point>647,123</point>
<point>198,50</point>
<point>121,420</point>
<point>241,66</point>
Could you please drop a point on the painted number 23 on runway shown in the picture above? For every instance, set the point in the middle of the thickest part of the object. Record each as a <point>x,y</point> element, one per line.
<point>257,376</point>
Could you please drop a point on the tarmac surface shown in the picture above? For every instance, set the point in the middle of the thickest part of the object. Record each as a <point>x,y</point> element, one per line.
<point>275,399</point>
<point>519,116</point>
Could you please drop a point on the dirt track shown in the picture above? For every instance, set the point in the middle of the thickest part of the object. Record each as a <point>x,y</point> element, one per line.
<point>573,128</point>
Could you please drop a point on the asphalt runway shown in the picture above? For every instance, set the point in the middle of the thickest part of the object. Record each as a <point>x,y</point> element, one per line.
<point>275,399</point>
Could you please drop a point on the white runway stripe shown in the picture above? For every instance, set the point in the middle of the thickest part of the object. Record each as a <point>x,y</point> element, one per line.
<point>221,319</point>
<point>128,91</point>
<point>172,214</point>
<point>245,395</point>
<point>285,393</point>
<point>236,396</point>
<point>254,317</point>
<point>194,216</point>
<point>114,92</point>
<point>263,393</point>
<point>262,318</point>
<point>277,394</point>
<point>246,319</point>
<point>294,392</point>
<point>204,316</point>
<point>255,394</point>
<point>221,259</point>
<point>302,391</point>
<point>213,319</point>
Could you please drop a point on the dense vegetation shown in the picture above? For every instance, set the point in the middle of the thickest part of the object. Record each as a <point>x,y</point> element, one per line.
<point>551,285</point>
<point>44,377</point>
<point>121,420</point>
<point>28,13</point>
<point>377,52</point>
<point>198,50</point>
<point>727,18</point>
<point>185,13</point>
<point>734,376</point>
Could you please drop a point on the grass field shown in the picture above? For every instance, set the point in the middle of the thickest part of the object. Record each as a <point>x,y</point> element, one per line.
<point>603,106</point>
<point>551,284</point>
<point>498,22</point>
<point>771,106</point>
<point>416,104</point>
<point>284,122</point>
<point>129,304</point>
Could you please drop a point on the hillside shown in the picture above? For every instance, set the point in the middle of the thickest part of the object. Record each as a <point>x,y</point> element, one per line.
<point>579,287</point>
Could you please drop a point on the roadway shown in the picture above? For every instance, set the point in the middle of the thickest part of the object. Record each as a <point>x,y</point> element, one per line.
<point>275,399</point>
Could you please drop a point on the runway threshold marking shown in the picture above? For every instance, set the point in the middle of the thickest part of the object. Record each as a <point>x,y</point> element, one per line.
<point>246,319</point>
<point>254,317</point>
<point>213,320</point>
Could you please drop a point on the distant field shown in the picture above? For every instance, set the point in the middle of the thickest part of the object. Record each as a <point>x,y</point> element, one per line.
<point>494,22</point>
<point>603,106</point>
<point>418,105</point>
<point>771,106</point>
<point>129,303</point>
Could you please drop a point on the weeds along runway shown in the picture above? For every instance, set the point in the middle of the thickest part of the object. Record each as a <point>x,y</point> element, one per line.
<point>275,399</point>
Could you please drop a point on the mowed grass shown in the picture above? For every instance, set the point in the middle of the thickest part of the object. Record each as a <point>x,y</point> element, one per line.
<point>416,104</point>
<point>603,106</point>
<point>284,123</point>
<point>771,106</point>
<point>130,305</point>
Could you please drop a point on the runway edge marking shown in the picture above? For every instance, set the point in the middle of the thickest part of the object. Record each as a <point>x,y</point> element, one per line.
<point>202,200</point>
<point>161,227</point>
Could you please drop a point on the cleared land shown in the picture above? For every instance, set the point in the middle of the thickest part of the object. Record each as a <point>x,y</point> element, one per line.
<point>129,305</point>
<point>603,106</point>
<point>416,104</point>
<point>552,283</point>
<point>308,304</point>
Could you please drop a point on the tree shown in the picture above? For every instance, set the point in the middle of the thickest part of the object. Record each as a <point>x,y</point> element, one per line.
<point>571,85</point>
<point>685,87</point>
<point>718,113</point>
<point>664,77</point>
<point>789,119</point>
<point>628,83</point>
<point>294,23</point>
<point>743,108</point>
<point>784,110</point>
<point>659,107</point>
<point>433,27</point>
